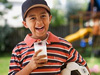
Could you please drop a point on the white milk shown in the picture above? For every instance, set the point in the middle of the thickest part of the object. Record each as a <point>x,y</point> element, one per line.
<point>41,46</point>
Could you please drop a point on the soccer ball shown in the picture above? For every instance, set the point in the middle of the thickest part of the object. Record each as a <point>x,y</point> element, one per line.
<point>73,68</point>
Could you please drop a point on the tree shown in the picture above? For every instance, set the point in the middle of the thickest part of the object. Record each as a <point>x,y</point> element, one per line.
<point>6,30</point>
<point>58,14</point>
<point>6,5</point>
<point>4,1</point>
<point>58,18</point>
<point>73,7</point>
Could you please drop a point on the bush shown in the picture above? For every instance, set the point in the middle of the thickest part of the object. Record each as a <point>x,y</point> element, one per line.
<point>58,18</point>
<point>4,32</point>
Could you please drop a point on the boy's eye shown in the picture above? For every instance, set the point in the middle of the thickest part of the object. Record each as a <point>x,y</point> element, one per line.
<point>32,18</point>
<point>43,16</point>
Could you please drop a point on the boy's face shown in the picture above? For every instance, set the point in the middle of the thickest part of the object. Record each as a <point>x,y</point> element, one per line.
<point>38,20</point>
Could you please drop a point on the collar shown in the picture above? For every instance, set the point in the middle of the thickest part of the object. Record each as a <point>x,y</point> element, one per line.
<point>51,38</point>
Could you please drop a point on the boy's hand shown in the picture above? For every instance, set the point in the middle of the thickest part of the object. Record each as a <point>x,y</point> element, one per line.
<point>37,61</point>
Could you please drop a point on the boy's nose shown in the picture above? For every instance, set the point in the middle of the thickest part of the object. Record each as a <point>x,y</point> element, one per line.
<point>39,22</point>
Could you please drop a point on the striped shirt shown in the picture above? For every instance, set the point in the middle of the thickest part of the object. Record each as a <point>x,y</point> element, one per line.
<point>59,51</point>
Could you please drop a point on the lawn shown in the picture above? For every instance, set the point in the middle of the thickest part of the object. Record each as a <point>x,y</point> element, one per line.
<point>4,63</point>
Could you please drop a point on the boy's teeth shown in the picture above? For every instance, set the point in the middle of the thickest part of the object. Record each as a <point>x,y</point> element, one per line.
<point>39,28</point>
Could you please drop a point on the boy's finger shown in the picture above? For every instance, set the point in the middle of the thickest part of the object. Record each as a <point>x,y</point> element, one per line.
<point>40,65</point>
<point>41,61</point>
<point>37,52</point>
<point>41,56</point>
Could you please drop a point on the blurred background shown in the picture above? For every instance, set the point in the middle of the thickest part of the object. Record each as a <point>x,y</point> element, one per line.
<point>78,21</point>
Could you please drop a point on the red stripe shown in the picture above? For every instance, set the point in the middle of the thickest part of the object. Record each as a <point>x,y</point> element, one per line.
<point>57,52</point>
<point>46,70</point>
<point>49,63</point>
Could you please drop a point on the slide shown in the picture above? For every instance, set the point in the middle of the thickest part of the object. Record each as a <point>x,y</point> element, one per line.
<point>78,35</point>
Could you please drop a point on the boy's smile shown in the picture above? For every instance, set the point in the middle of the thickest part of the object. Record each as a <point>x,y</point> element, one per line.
<point>38,20</point>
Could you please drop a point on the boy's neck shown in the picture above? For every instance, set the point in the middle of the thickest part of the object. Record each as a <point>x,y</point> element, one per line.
<point>43,38</point>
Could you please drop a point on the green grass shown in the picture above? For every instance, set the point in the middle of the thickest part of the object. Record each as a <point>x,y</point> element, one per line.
<point>4,64</point>
<point>91,61</point>
<point>5,58</point>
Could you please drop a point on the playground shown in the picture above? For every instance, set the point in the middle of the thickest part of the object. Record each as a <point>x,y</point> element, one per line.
<point>88,34</point>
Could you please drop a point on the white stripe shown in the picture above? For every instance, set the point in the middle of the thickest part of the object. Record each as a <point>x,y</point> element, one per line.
<point>14,65</point>
<point>53,65</point>
<point>26,62</point>
<point>45,72</point>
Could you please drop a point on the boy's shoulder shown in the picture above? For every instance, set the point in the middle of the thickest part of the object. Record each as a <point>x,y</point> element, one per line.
<point>61,42</point>
<point>20,46</point>
<point>22,43</point>
<point>64,41</point>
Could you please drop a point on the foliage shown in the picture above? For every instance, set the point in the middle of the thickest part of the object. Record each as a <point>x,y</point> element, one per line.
<point>85,51</point>
<point>4,32</point>
<point>74,7</point>
<point>6,5</point>
<point>4,1</point>
<point>58,18</point>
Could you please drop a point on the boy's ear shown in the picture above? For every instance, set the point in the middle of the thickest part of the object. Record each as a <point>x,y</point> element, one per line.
<point>50,18</point>
<point>24,23</point>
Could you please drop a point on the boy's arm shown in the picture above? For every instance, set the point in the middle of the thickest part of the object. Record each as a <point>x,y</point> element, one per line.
<point>33,64</point>
<point>74,56</point>
<point>88,69</point>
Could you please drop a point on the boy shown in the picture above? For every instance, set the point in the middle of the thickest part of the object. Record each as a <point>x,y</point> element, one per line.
<point>25,61</point>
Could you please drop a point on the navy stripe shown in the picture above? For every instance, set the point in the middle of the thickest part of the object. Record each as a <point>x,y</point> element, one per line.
<point>57,49</point>
<point>29,50</point>
<point>85,64</point>
<point>25,58</point>
<point>18,50</point>
<point>77,58</point>
<point>70,50</point>
<point>12,73</point>
<point>21,44</point>
<point>72,56</point>
<point>82,61</point>
<point>60,43</point>
<point>17,56</point>
<point>15,67</point>
<point>14,61</point>
<point>25,64</point>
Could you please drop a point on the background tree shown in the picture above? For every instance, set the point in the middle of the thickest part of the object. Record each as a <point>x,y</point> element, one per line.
<point>6,30</point>
<point>73,7</point>
<point>59,18</point>
<point>6,5</point>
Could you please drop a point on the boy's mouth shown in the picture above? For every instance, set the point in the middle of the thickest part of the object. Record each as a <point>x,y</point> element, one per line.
<point>39,28</point>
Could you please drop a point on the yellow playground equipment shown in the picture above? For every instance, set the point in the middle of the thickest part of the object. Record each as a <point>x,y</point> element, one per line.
<point>78,35</point>
<point>81,32</point>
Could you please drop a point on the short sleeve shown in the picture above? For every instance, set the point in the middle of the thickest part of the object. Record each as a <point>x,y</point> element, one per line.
<point>74,56</point>
<point>15,64</point>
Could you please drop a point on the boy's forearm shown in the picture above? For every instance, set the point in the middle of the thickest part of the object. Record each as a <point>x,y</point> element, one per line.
<point>25,71</point>
<point>88,69</point>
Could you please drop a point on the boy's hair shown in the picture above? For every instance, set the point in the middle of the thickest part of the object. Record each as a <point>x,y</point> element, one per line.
<point>29,4</point>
